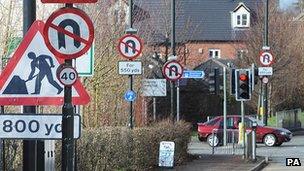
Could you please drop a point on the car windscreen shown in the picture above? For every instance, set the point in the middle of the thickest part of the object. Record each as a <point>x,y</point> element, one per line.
<point>212,121</point>
<point>257,121</point>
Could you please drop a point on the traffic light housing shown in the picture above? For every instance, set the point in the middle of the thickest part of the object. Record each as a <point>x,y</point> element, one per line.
<point>243,84</point>
<point>214,81</point>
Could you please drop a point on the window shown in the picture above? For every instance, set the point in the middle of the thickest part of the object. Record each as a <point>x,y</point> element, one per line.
<point>241,53</point>
<point>214,53</point>
<point>242,20</point>
<point>240,16</point>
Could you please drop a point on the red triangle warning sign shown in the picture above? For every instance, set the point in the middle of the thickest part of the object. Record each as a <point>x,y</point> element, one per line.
<point>30,76</point>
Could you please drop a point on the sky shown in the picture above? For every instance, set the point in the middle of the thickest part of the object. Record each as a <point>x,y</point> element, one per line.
<point>286,3</point>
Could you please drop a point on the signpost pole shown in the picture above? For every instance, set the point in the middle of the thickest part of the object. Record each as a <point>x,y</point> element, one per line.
<point>177,101</point>
<point>29,146</point>
<point>264,86</point>
<point>131,76</point>
<point>174,54</point>
<point>68,152</point>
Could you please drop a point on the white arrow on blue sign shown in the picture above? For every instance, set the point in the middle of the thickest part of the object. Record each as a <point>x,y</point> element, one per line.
<point>130,96</point>
<point>193,74</point>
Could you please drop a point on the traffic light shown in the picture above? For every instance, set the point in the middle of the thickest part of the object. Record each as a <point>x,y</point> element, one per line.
<point>243,84</point>
<point>214,81</point>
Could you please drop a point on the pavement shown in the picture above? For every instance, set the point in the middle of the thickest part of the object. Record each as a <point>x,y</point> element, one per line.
<point>269,158</point>
<point>218,163</point>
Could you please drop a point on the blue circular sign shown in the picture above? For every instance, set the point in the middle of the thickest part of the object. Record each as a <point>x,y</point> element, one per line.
<point>130,96</point>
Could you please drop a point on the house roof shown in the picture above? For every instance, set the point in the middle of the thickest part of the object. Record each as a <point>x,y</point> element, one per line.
<point>196,20</point>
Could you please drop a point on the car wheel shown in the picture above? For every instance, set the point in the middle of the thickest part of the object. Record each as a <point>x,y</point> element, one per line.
<point>213,140</point>
<point>270,140</point>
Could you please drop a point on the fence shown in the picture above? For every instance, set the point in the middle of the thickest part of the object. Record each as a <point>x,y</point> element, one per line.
<point>233,145</point>
<point>290,119</point>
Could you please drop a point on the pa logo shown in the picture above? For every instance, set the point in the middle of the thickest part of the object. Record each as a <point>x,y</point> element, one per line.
<point>293,162</point>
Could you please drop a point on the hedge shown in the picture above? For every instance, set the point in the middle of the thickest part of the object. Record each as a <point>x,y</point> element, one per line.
<point>119,148</point>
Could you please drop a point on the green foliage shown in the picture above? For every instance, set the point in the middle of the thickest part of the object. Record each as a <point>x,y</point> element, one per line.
<point>119,148</point>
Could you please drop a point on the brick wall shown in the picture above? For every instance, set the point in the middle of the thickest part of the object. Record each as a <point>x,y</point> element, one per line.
<point>194,53</point>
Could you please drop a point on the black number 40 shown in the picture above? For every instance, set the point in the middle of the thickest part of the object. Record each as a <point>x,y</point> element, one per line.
<point>70,76</point>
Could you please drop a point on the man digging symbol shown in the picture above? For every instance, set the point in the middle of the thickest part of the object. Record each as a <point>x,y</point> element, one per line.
<point>41,63</point>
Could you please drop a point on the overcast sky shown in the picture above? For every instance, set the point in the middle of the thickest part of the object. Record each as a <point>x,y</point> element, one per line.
<point>286,3</point>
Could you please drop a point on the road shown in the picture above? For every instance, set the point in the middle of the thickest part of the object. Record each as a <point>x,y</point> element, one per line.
<point>277,155</point>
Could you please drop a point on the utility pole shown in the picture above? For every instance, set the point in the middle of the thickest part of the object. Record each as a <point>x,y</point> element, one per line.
<point>30,152</point>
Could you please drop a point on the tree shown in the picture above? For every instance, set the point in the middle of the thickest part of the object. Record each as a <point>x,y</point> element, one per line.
<point>285,35</point>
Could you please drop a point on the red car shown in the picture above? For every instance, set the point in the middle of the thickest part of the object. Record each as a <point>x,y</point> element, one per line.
<point>268,135</point>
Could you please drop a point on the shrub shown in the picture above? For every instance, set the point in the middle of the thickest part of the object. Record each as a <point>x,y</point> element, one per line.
<point>111,148</point>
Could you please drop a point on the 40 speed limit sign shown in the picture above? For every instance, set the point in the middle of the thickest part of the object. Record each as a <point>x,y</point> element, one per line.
<point>67,75</point>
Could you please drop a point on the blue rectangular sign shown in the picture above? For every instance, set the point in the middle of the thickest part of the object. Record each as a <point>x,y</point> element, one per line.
<point>193,74</point>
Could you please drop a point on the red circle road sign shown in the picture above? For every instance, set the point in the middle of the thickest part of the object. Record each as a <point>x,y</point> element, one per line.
<point>68,33</point>
<point>266,58</point>
<point>173,70</point>
<point>67,75</point>
<point>130,46</point>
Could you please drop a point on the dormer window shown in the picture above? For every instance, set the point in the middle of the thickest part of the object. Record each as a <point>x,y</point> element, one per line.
<point>240,17</point>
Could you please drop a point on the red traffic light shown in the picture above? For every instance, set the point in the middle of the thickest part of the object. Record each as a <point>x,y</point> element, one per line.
<point>243,77</point>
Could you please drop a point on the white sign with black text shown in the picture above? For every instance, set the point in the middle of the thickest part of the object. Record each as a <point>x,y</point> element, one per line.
<point>154,87</point>
<point>129,67</point>
<point>265,71</point>
<point>34,126</point>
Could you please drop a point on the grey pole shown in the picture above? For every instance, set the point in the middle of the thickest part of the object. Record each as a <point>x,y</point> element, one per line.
<point>243,123</point>
<point>154,108</point>
<point>254,144</point>
<point>29,146</point>
<point>177,102</point>
<point>225,106</point>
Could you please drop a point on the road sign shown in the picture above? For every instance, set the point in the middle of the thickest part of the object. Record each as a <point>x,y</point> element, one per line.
<point>266,58</point>
<point>154,87</point>
<point>68,1</point>
<point>84,65</point>
<point>265,71</point>
<point>172,70</point>
<point>68,33</point>
<point>129,67</point>
<point>130,96</point>
<point>166,154</point>
<point>67,75</point>
<point>193,74</point>
<point>34,126</point>
<point>130,46</point>
<point>265,80</point>
<point>30,76</point>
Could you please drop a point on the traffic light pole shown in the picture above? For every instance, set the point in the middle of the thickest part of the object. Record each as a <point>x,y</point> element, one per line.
<point>243,125</point>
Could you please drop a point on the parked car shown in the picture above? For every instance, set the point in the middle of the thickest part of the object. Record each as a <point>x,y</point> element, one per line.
<point>270,136</point>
